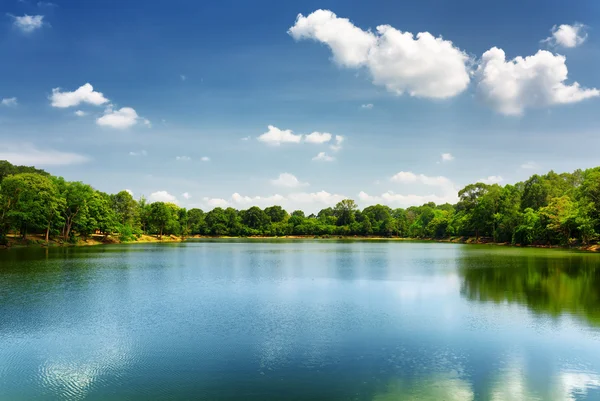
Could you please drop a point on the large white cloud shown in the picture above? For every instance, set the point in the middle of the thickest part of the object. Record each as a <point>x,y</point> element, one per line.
<point>123,118</point>
<point>162,196</point>
<point>492,179</point>
<point>28,154</point>
<point>400,200</point>
<point>535,81</point>
<point>567,35</point>
<point>29,23</point>
<point>307,201</point>
<point>276,136</point>
<point>408,177</point>
<point>84,94</point>
<point>421,65</point>
<point>288,180</point>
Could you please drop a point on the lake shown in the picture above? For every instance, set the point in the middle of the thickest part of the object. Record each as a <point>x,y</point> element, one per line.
<point>299,320</point>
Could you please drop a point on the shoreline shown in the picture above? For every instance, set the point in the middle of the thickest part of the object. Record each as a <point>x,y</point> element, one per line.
<point>96,240</point>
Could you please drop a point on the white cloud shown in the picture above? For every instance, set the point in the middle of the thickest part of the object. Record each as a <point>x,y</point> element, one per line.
<point>84,94</point>
<point>338,143</point>
<point>29,23</point>
<point>368,106</point>
<point>318,137</point>
<point>129,191</point>
<point>404,177</point>
<point>140,153</point>
<point>162,196</point>
<point>323,157</point>
<point>512,86</point>
<point>10,101</point>
<point>28,154</point>
<point>123,118</point>
<point>424,66</point>
<point>147,123</point>
<point>447,157</point>
<point>183,77</point>
<point>530,166</point>
<point>492,179</point>
<point>567,35</point>
<point>288,180</point>
<point>205,158</point>
<point>186,195</point>
<point>391,198</point>
<point>408,177</point>
<point>307,201</point>
<point>80,113</point>
<point>276,136</point>
<point>215,202</point>
<point>246,138</point>
<point>183,158</point>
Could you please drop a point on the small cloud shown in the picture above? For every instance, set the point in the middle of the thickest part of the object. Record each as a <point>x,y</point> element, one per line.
<point>318,137</point>
<point>183,158</point>
<point>275,136</point>
<point>183,77</point>
<point>205,158</point>
<point>129,191</point>
<point>46,4</point>
<point>567,35</point>
<point>28,23</point>
<point>492,179</point>
<point>324,157</point>
<point>186,195</point>
<point>288,181</point>
<point>246,138</point>
<point>123,118</point>
<point>147,123</point>
<point>338,143</point>
<point>367,106</point>
<point>530,166</point>
<point>84,94</point>
<point>11,101</point>
<point>162,196</point>
<point>447,157</point>
<point>140,153</point>
<point>80,113</point>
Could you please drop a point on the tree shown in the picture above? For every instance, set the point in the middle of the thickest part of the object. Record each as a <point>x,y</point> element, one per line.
<point>125,207</point>
<point>344,212</point>
<point>276,214</point>
<point>255,218</point>
<point>196,221</point>
<point>160,217</point>
<point>30,201</point>
<point>77,196</point>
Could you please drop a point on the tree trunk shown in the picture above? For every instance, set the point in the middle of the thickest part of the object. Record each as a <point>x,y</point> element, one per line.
<point>476,235</point>
<point>47,233</point>
<point>160,234</point>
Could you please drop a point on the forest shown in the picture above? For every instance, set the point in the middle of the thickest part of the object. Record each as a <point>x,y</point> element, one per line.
<point>550,209</point>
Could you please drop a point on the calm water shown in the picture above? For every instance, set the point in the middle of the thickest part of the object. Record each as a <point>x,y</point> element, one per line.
<point>299,321</point>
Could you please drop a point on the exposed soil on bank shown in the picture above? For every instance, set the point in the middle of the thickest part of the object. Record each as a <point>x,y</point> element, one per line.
<point>39,240</point>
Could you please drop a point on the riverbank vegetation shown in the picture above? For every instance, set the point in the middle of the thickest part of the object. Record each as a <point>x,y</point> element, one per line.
<point>550,209</point>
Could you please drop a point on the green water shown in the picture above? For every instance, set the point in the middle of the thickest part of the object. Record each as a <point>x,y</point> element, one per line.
<point>299,320</point>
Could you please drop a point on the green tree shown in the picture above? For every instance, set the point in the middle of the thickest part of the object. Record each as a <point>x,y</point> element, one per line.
<point>344,212</point>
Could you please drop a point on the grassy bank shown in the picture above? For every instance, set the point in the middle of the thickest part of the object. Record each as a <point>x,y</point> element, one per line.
<point>39,240</point>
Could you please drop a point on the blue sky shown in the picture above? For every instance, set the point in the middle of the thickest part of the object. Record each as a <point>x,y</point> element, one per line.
<point>206,79</point>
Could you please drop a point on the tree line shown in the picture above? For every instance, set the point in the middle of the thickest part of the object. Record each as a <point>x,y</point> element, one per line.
<point>545,209</point>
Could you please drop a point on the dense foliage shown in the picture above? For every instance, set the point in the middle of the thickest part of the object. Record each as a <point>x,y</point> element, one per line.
<point>545,209</point>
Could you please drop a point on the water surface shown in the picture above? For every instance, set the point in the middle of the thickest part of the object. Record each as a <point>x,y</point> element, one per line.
<point>300,320</point>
